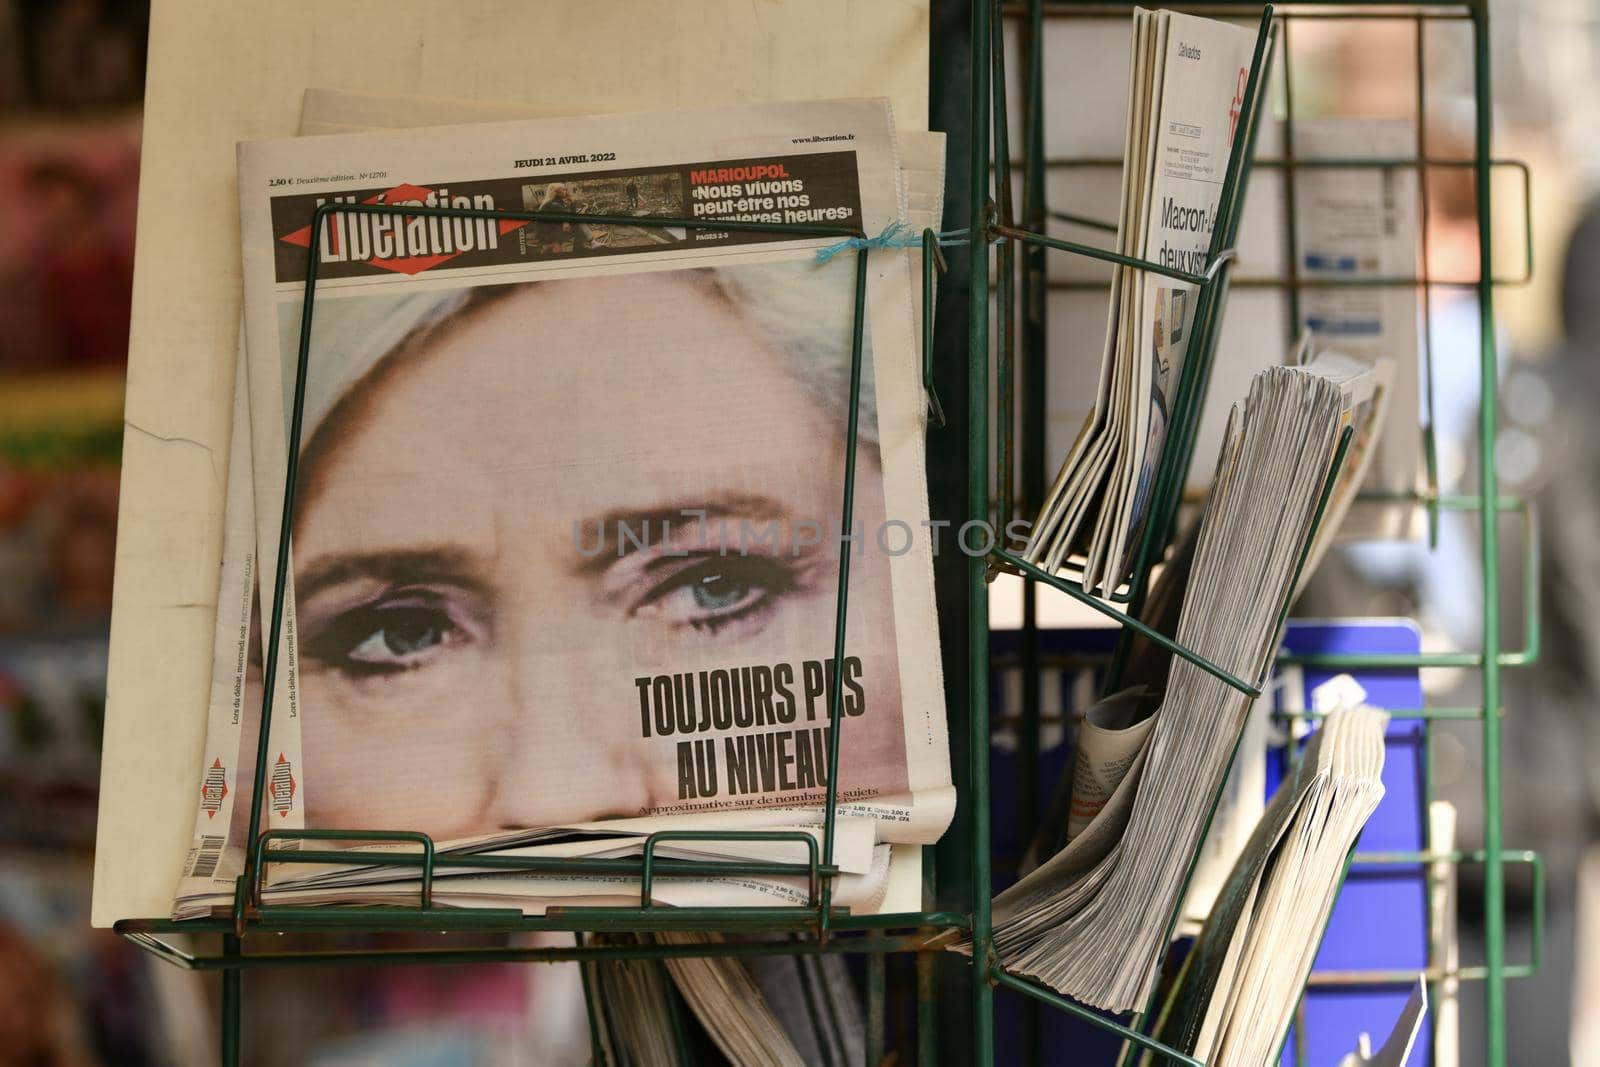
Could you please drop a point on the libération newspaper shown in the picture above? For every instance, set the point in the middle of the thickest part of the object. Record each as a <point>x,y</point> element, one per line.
<point>566,535</point>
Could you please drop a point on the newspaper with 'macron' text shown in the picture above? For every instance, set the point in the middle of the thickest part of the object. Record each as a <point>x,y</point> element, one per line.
<point>723,655</point>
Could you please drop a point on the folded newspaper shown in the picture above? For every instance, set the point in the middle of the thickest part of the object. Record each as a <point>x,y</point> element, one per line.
<point>1092,920</point>
<point>566,529</point>
<point>756,1011</point>
<point>1240,984</point>
<point>1186,84</point>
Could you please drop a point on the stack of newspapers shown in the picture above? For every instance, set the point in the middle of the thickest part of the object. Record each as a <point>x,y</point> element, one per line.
<point>565,541</point>
<point>760,1011</point>
<point>1240,984</point>
<point>1091,920</point>
<point>1186,86</point>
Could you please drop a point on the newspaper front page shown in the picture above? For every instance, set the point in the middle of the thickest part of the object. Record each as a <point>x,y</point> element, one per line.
<point>1206,64</point>
<point>586,587</point>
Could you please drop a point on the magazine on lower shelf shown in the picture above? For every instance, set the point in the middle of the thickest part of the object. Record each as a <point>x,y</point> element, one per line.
<point>1234,999</point>
<point>566,539</point>
<point>758,1011</point>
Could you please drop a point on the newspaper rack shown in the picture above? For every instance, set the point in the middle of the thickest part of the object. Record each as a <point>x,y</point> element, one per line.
<point>1487,503</point>
<point>957,876</point>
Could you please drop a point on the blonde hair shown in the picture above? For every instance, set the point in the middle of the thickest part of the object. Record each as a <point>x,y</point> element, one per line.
<point>807,309</point>
<point>550,193</point>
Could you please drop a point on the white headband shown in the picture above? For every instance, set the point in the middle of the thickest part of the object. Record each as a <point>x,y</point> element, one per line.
<point>348,338</point>
<point>351,335</point>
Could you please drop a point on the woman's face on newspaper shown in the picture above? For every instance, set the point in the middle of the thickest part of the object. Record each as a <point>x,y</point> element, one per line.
<point>472,616</point>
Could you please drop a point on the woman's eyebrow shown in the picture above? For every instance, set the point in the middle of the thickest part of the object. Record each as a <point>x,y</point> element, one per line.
<point>603,539</point>
<point>400,566</point>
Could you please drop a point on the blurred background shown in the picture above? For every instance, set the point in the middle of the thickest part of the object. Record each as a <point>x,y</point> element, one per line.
<point>71,77</point>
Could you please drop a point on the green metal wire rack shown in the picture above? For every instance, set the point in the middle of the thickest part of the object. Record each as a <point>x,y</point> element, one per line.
<point>954,995</point>
<point>1035,284</point>
<point>826,928</point>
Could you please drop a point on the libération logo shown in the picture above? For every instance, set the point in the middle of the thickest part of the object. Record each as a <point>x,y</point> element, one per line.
<point>406,244</point>
<point>214,789</point>
<point>281,787</point>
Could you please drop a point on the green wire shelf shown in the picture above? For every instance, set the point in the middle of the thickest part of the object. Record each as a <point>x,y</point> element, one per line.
<point>1494,654</point>
<point>954,995</point>
<point>818,926</point>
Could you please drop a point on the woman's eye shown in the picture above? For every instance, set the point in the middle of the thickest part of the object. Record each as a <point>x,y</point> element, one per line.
<point>385,638</point>
<point>404,634</point>
<point>717,591</point>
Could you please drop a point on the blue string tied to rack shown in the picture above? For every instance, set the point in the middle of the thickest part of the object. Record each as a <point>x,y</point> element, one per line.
<point>895,235</point>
